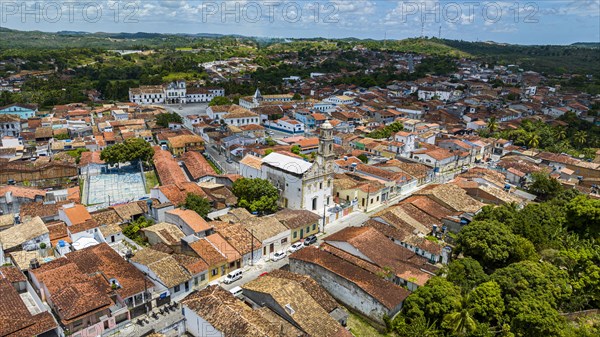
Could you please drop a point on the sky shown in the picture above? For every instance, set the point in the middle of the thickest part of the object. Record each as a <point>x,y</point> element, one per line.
<point>511,21</point>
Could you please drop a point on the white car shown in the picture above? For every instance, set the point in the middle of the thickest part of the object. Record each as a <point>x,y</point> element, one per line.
<point>278,255</point>
<point>296,246</point>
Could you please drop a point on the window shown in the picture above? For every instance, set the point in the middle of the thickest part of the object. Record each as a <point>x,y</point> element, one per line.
<point>177,288</point>
<point>314,226</point>
<point>314,204</point>
<point>320,185</point>
<point>295,234</point>
<point>214,272</point>
<point>284,240</point>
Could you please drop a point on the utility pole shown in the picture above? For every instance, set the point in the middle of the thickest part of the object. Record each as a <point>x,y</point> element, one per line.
<point>368,191</point>
<point>252,247</point>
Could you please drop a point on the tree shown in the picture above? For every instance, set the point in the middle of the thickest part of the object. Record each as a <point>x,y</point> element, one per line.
<point>133,149</point>
<point>492,125</point>
<point>487,303</point>
<point>363,157</point>
<point>219,100</point>
<point>256,195</point>
<point>580,137</point>
<point>418,327</point>
<point>432,301</point>
<point>198,204</point>
<point>164,119</point>
<point>583,214</point>
<point>560,134</point>
<point>295,149</point>
<point>544,186</point>
<point>132,229</point>
<point>533,140</point>
<point>493,244</point>
<point>460,322</point>
<point>297,97</point>
<point>466,273</point>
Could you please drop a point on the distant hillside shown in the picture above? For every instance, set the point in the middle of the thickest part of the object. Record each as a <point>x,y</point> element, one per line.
<point>579,58</point>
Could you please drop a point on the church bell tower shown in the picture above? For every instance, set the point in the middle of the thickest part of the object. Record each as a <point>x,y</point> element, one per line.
<point>325,153</point>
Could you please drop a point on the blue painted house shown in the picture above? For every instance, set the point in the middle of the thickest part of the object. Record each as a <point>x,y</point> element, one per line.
<point>24,111</point>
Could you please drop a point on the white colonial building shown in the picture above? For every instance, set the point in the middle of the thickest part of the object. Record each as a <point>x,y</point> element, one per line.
<point>255,101</point>
<point>173,93</point>
<point>301,184</point>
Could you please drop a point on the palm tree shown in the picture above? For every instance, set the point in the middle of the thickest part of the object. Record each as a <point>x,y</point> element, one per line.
<point>492,124</point>
<point>461,322</point>
<point>560,134</point>
<point>533,140</point>
<point>580,137</point>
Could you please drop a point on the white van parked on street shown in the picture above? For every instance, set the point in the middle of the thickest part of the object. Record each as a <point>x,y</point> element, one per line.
<point>233,276</point>
<point>236,291</point>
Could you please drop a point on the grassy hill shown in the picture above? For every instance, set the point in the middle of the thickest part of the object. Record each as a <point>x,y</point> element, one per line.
<point>579,58</point>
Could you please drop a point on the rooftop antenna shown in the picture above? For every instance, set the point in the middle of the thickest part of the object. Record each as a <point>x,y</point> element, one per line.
<point>440,33</point>
<point>422,26</point>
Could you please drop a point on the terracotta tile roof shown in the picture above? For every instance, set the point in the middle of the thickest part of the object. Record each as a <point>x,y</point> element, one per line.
<point>308,314</point>
<point>58,231</point>
<point>168,233</point>
<point>296,218</point>
<point>167,168</point>
<point>229,315</point>
<point>77,214</point>
<point>430,206</point>
<point>239,238</point>
<point>387,293</point>
<point>19,234</point>
<point>207,252</point>
<point>183,140</point>
<point>453,197</point>
<point>22,192</point>
<point>236,215</point>
<point>252,161</point>
<point>16,320</point>
<point>224,247</point>
<point>42,210</point>
<point>12,274</point>
<point>176,193</point>
<point>377,248</point>
<point>264,228</point>
<point>193,265</point>
<point>310,286</point>
<point>90,158</point>
<point>74,294</point>
<point>128,211</point>
<point>106,217</point>
<point>164,266</point>
<point>197,165</point>
<point>418,171</point>
<point>192,219</point>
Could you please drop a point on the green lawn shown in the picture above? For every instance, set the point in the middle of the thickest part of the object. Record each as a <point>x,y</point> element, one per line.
<point>361,328</point>
<point>151,180</point>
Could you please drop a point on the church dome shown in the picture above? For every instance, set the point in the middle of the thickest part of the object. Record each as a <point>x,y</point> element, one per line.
<point>326,125</point>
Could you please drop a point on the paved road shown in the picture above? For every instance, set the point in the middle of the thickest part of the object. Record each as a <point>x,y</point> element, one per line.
<point>187,109</point>
<point>221,160</point>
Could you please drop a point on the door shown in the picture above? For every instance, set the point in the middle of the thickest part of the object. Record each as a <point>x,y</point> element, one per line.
<point>271,248</point>
<point>301,233</point>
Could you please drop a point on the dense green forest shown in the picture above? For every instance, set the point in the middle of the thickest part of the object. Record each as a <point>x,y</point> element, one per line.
<point>517,271</point>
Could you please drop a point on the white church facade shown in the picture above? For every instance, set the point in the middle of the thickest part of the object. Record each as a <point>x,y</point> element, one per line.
<point>301,184</point>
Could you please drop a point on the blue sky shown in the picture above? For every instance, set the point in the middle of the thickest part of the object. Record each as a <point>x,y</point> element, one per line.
<point>520,22</point>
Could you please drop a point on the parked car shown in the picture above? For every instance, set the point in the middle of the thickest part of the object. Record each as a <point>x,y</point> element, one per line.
<point>296,246</point>
<point>310,240</point>
<point>233,276</point>
<point>278,255</point>
<point>236,291</point>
